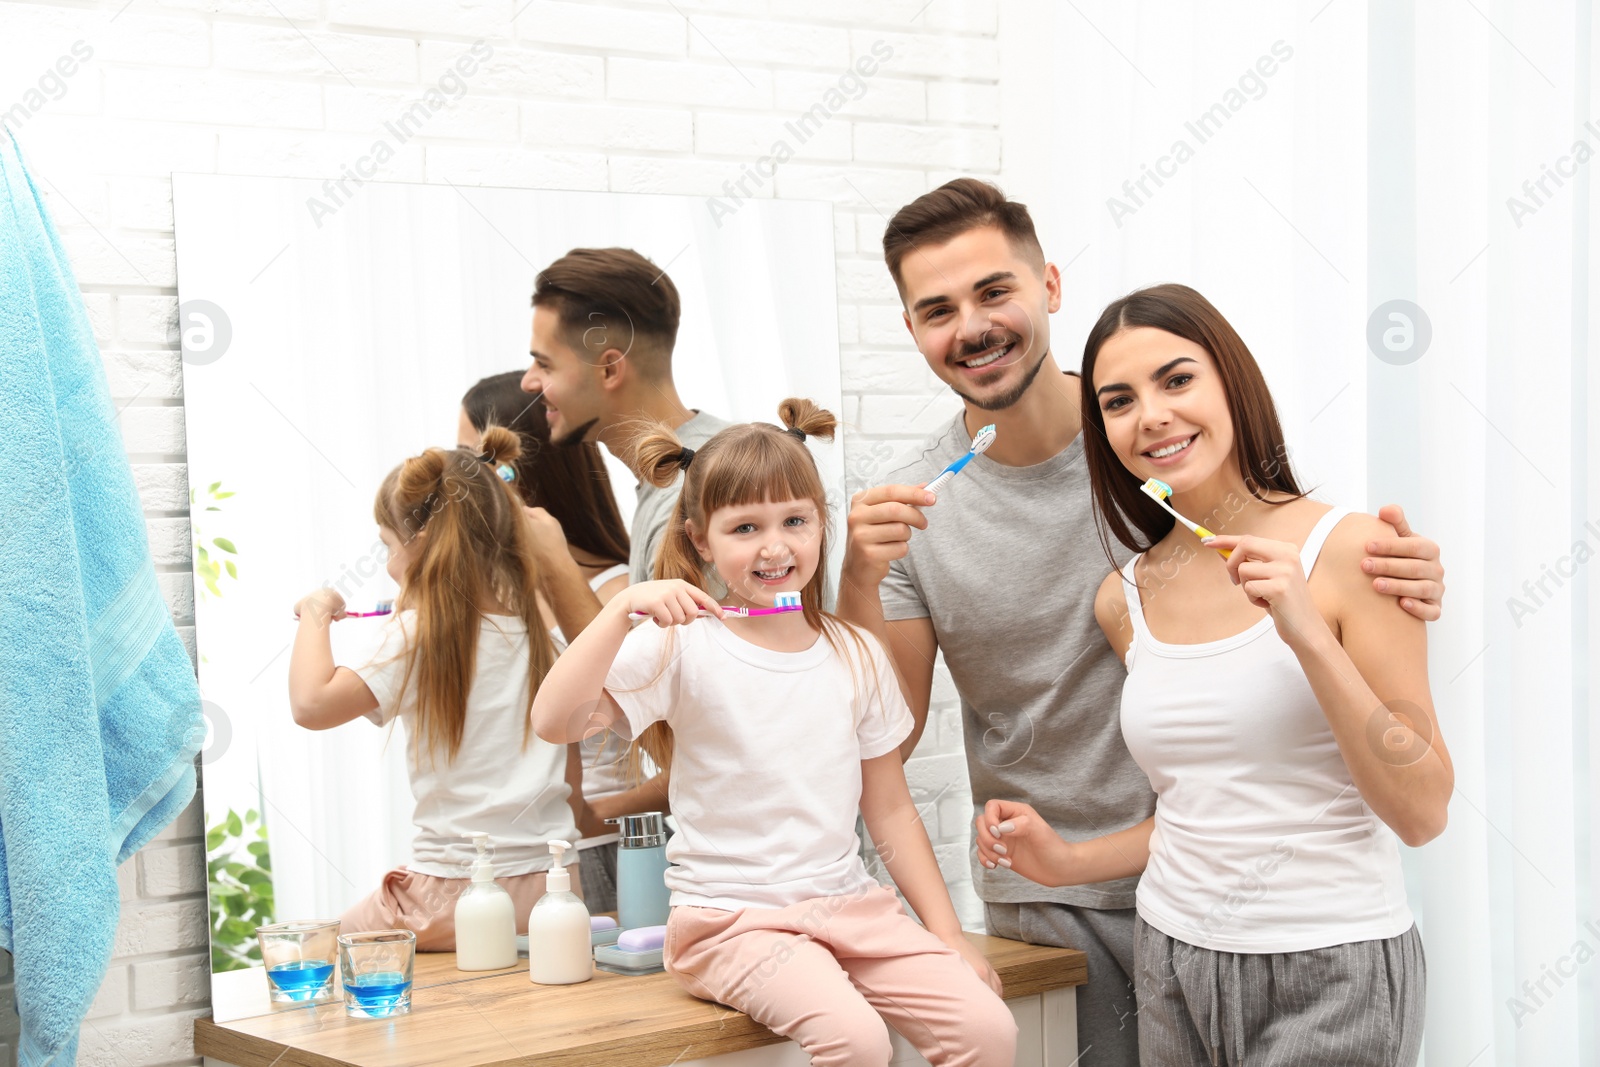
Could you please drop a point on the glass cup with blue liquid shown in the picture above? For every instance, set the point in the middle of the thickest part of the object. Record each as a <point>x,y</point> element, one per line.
<point>376,970</point>
<point>299,958</point>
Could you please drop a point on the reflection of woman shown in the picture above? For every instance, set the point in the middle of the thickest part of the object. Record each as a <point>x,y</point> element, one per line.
<point>581,547</point>
<point>568,485</point>
<point>1280,708</point>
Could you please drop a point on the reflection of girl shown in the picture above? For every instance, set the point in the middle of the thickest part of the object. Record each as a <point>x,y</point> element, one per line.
<point>781,728</point>
<point>458,663</point>
<point>1280,707</point>
<point>581,548</point>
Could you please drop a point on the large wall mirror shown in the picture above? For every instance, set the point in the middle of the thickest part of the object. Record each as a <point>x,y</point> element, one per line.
<point>326,339</point>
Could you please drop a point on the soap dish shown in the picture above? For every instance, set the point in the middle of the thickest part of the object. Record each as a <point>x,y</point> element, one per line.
<point>621,961</point>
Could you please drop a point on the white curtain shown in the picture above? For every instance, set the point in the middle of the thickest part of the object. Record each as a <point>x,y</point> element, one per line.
<point>1440,153</point>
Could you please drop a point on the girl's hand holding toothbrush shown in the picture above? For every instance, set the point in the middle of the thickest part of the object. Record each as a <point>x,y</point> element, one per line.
<point>669,603</point>
<point>321,605</point>
<point>1271,575</point>
<point>1013,835</point>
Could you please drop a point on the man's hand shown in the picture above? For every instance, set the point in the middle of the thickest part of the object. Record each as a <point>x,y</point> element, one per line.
<point>1406,566</point>
<point>880,524</point>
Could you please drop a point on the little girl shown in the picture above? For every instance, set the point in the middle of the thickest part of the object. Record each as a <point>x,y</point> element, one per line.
<point>781,727</point>
<point>457,662</point>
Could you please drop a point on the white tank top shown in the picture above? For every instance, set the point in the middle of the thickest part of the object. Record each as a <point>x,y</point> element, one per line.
<point>1261,843</point>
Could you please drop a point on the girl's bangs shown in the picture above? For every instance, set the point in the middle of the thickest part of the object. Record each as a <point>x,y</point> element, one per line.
<point>757,469</point>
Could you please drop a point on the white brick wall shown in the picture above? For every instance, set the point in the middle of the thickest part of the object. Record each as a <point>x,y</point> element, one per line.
<point>625,95</point>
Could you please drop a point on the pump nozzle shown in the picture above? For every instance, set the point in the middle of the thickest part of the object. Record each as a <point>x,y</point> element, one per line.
<point>558,880</point>
<point>483,866</point>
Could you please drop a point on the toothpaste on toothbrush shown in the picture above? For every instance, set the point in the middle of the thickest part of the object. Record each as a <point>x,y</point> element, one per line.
<point>980,444</point>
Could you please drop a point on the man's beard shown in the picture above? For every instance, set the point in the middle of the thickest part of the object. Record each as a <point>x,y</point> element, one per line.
<point>574,437</point>
<point>1010,396</point>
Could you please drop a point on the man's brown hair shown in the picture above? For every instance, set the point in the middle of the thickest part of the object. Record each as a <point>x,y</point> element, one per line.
<point>953,209</point>
<point>611,298</point>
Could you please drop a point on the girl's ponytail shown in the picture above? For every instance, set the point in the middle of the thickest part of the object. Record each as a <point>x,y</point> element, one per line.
<point>799,413</point>
<point>658,454</point>
<point>501,447</point>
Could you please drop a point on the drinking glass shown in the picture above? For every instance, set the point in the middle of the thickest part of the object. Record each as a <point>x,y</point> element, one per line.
<point>299,958</point>
<point>376,970</point>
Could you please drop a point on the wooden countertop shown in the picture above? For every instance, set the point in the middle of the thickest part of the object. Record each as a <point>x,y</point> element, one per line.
<point>501,1019</point>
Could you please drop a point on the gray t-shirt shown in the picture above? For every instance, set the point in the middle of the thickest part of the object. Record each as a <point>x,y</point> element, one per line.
<point>1007,570</point>
<point>655,505</point>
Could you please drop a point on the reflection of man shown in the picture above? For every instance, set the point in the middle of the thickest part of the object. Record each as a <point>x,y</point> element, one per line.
<point>604,324</point>
<point>1002,576</point>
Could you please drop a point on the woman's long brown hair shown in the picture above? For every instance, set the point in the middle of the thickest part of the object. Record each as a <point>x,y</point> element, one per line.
<point>471,539</point>
<point>743,464</point>
<point>1258,445</point>
<point>568,481</point>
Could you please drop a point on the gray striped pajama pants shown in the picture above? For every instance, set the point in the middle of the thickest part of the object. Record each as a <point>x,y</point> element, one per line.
<point>1355,1005</point>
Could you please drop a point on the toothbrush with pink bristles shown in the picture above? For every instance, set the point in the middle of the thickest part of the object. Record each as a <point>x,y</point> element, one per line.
<point>1159,491</point>
<point>384,607</point>
<point>782,603</point>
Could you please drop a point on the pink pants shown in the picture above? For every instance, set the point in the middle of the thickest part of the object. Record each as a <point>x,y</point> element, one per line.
<point>426,906</point>
<point>824,970</point>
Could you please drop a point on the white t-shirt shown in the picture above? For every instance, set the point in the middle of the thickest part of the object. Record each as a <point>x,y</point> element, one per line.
<point>517,795</point>
<point>605,764</point>
<point>766,771</point>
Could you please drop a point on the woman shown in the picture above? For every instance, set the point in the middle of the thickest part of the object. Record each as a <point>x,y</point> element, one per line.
<point>569,484</point>
<point>1280,708</point>
<point>575,522</point>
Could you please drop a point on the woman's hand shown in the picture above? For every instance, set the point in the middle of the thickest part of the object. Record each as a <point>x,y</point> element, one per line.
<point>1015,836</point>
<point>1272,578</point>
<point>976,960</point>
<point>320,605</point>
<point>670,603</point>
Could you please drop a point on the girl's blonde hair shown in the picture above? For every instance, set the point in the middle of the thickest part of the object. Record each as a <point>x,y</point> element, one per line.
<point>746,463</point>
<point>472,540</point>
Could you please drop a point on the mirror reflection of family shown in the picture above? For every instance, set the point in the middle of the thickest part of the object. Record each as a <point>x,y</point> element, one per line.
<point>1195,699</point>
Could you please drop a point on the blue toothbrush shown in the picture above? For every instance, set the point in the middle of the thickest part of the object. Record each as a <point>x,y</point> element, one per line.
<point>980,443</point>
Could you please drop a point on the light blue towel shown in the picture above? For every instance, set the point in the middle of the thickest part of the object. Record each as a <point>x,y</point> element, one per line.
<point>99,713</point>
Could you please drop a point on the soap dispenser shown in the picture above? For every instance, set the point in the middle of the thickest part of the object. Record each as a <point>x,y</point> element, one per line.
<point>486,918</point>
<point>558,929</point>
<point>642,896</point>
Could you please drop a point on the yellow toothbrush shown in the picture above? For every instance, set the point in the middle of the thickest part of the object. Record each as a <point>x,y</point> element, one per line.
<point>1158,490</point>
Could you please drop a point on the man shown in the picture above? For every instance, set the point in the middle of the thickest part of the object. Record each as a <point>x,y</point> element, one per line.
<point>1002,577</point>
<point>604,324</point>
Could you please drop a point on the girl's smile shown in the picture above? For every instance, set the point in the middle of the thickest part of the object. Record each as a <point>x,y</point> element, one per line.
<point>762,549</point>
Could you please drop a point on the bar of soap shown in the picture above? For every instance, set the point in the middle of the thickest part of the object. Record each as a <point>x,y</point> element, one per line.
<point>642,939</point>
<point>601,922</point>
